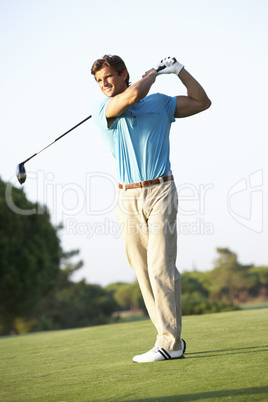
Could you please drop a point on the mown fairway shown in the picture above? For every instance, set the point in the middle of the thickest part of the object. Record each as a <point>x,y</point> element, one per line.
<point>226,359</point>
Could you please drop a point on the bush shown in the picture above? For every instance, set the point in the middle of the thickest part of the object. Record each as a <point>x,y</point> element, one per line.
<point>195,303</point>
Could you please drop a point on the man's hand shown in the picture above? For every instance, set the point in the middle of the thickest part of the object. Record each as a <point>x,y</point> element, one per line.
<point>169,66</point>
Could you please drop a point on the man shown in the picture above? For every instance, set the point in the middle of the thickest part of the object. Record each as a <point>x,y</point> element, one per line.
<point>136,128</point>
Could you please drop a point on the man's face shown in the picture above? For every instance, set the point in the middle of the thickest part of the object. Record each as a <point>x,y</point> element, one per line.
<point>110,82</point>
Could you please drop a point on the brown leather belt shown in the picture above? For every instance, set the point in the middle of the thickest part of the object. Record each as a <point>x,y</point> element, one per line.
<point>147,183</point>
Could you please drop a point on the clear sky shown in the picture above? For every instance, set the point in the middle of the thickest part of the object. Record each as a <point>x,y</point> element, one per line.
<point>219,157</point>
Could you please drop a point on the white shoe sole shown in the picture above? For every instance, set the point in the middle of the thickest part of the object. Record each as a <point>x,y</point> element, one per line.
<point>159,354</point>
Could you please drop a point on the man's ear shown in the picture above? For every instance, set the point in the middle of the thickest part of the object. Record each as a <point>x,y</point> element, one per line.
<point>124,74</point>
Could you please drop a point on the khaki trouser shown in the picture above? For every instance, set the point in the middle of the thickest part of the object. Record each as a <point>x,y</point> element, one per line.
<point>147,218</point>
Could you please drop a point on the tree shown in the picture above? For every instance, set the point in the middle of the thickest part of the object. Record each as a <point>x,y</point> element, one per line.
<point>127,295</point>
<point>30,254</point>
<point>230,281</point>
<point>192,282</point>
<point>260,287</point>
<point>195,295</point>
<point>73,304</point>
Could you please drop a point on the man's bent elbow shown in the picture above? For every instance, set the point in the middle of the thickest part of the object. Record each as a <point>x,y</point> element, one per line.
<point>206,104</point>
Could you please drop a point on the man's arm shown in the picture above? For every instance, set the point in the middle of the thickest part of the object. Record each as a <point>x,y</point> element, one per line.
<point>123,101</point>
<point>196,100</point>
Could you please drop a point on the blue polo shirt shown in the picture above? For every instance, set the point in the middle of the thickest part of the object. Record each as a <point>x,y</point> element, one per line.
<point>139,139</point>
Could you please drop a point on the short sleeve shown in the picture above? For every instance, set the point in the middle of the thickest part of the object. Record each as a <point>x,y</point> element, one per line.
<point>99,114</point>
<point>171,107</point>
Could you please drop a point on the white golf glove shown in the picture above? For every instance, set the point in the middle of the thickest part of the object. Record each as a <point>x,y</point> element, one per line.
<point>169,66</point>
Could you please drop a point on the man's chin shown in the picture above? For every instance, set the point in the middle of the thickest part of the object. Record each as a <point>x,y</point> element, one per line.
<point>109,94</point>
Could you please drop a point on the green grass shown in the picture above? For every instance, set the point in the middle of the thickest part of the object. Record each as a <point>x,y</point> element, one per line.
<point>226,359</point>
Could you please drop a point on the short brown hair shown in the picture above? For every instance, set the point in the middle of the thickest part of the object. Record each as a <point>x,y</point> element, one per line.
<point>115,62</point>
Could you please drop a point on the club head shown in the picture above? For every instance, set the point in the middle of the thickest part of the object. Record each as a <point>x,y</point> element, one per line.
<point>21,173</point>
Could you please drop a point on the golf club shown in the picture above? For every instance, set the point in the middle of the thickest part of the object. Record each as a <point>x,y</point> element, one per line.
<point>21,171</point>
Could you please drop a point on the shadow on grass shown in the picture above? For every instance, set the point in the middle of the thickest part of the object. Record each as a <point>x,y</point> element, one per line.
<point>213,394</point>
<point>215,353</point>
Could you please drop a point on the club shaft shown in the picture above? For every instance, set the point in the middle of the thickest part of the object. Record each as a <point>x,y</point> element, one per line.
<point>71,129</point>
